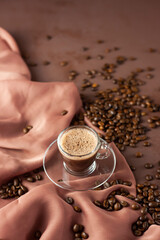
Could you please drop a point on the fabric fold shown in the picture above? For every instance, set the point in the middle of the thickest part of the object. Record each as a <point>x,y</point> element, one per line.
<point>40,105</point>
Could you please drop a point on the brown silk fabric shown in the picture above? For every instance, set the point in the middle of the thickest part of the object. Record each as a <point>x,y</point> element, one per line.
<point>43,208</point>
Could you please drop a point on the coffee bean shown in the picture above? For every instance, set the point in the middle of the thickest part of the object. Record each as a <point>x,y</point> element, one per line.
<point>77,209</point>
<point>77,235</point>
<point>133,168</point>
<point>150,221</point>
<point>100,41</point>
<point>20,192</point>
<point>147,144</point>
<point>117,206</point>
<point>139,154</point>
<point>4,195</point>
<point>38,177</point>
<point>78,238</point>
<point>148,165</point>
<point>124,203</point>
<point>135,206</point>
<point>30,179</point>
<point>127,183</point>
<point>149,177</point>
<point>63,63</point>
<point>46,63</point>
<point>149,76</point>
<point>137,233</point>
<point>130,197</point>
<point>15,181</point>
<point>143,210</point>
<point>64,112</point>
<point>2,191</point>
<point>37,234</point>
<point>24,189</point>
<point>49,37</point>
<point>85,49</point>
<point>112,201</point>
<point>69,200</point>
<point>157,176</point>
<point>84,235</point>
<point>97,203</point>
<point>153,204</point>
<point>77,228</point>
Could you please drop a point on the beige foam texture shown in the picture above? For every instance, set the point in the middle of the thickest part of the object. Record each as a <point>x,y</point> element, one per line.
<point>78,141</point>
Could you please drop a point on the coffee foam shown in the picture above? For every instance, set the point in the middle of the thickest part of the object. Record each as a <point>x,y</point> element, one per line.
<point>79,141</point>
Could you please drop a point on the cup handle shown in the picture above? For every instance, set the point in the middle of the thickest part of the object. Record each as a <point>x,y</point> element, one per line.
<point>104,151</point>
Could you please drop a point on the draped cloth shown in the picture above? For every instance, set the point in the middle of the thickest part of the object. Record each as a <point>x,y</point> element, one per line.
<point>40,104</point>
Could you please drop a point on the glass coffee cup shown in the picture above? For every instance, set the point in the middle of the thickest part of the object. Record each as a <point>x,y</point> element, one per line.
<point>80,147</point>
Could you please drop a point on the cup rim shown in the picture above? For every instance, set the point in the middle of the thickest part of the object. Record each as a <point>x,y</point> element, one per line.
<point>78,126</point>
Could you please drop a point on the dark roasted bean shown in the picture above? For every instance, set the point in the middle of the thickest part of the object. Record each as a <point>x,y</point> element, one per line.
<point>77,209</point>
<point>30,179</point>
<point>38,177</point>
<point>77,228</point>
<point>139,154</point>
<point>148,165</point>
<point>64,112</point>
<point>117,206</point>
<point>84,235</point>
<point>135,206</point>
<point>69,200</point>
<point>124,203</point>
<point>149,177</point>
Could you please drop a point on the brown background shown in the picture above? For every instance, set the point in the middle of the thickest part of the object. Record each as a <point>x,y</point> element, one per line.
<point>133,26</point>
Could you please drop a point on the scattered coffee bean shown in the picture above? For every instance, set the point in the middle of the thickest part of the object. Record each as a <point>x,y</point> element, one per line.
<point>32,64</point>
<point>117,206</point>
<point>30,179</point>
<point>149,177</point>
<point>63,63</point>
<point>77,209</point>
<point>152,50</point>
<point>77,228</point>
<point>85,49</point>
<point>69,200</point>
<point>49,37</point>
<point>27,129</point>
<point>147,144</point>
<point>133,168</point>
<point>149,76</point>
<point>139,154</point>
<point>46,63</point>
<point>148,165</point>
<point>100,41</point>
<point>64,112</point>
<point>157,176</point>
<point>38,177</point>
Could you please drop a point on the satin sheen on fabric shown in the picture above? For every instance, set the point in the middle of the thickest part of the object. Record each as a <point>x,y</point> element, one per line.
<point>43,208</point>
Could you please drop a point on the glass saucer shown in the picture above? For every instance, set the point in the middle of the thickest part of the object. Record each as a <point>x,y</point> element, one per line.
<point>57,172</point>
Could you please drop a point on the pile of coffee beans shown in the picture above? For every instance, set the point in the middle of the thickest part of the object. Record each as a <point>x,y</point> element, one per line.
<point>79,233</point>
<point>118,111</point>
<point>14,188</point>
<point>147,197</point>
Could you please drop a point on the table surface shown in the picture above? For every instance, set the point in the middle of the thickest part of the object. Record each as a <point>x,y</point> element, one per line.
<point>133,26</point>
